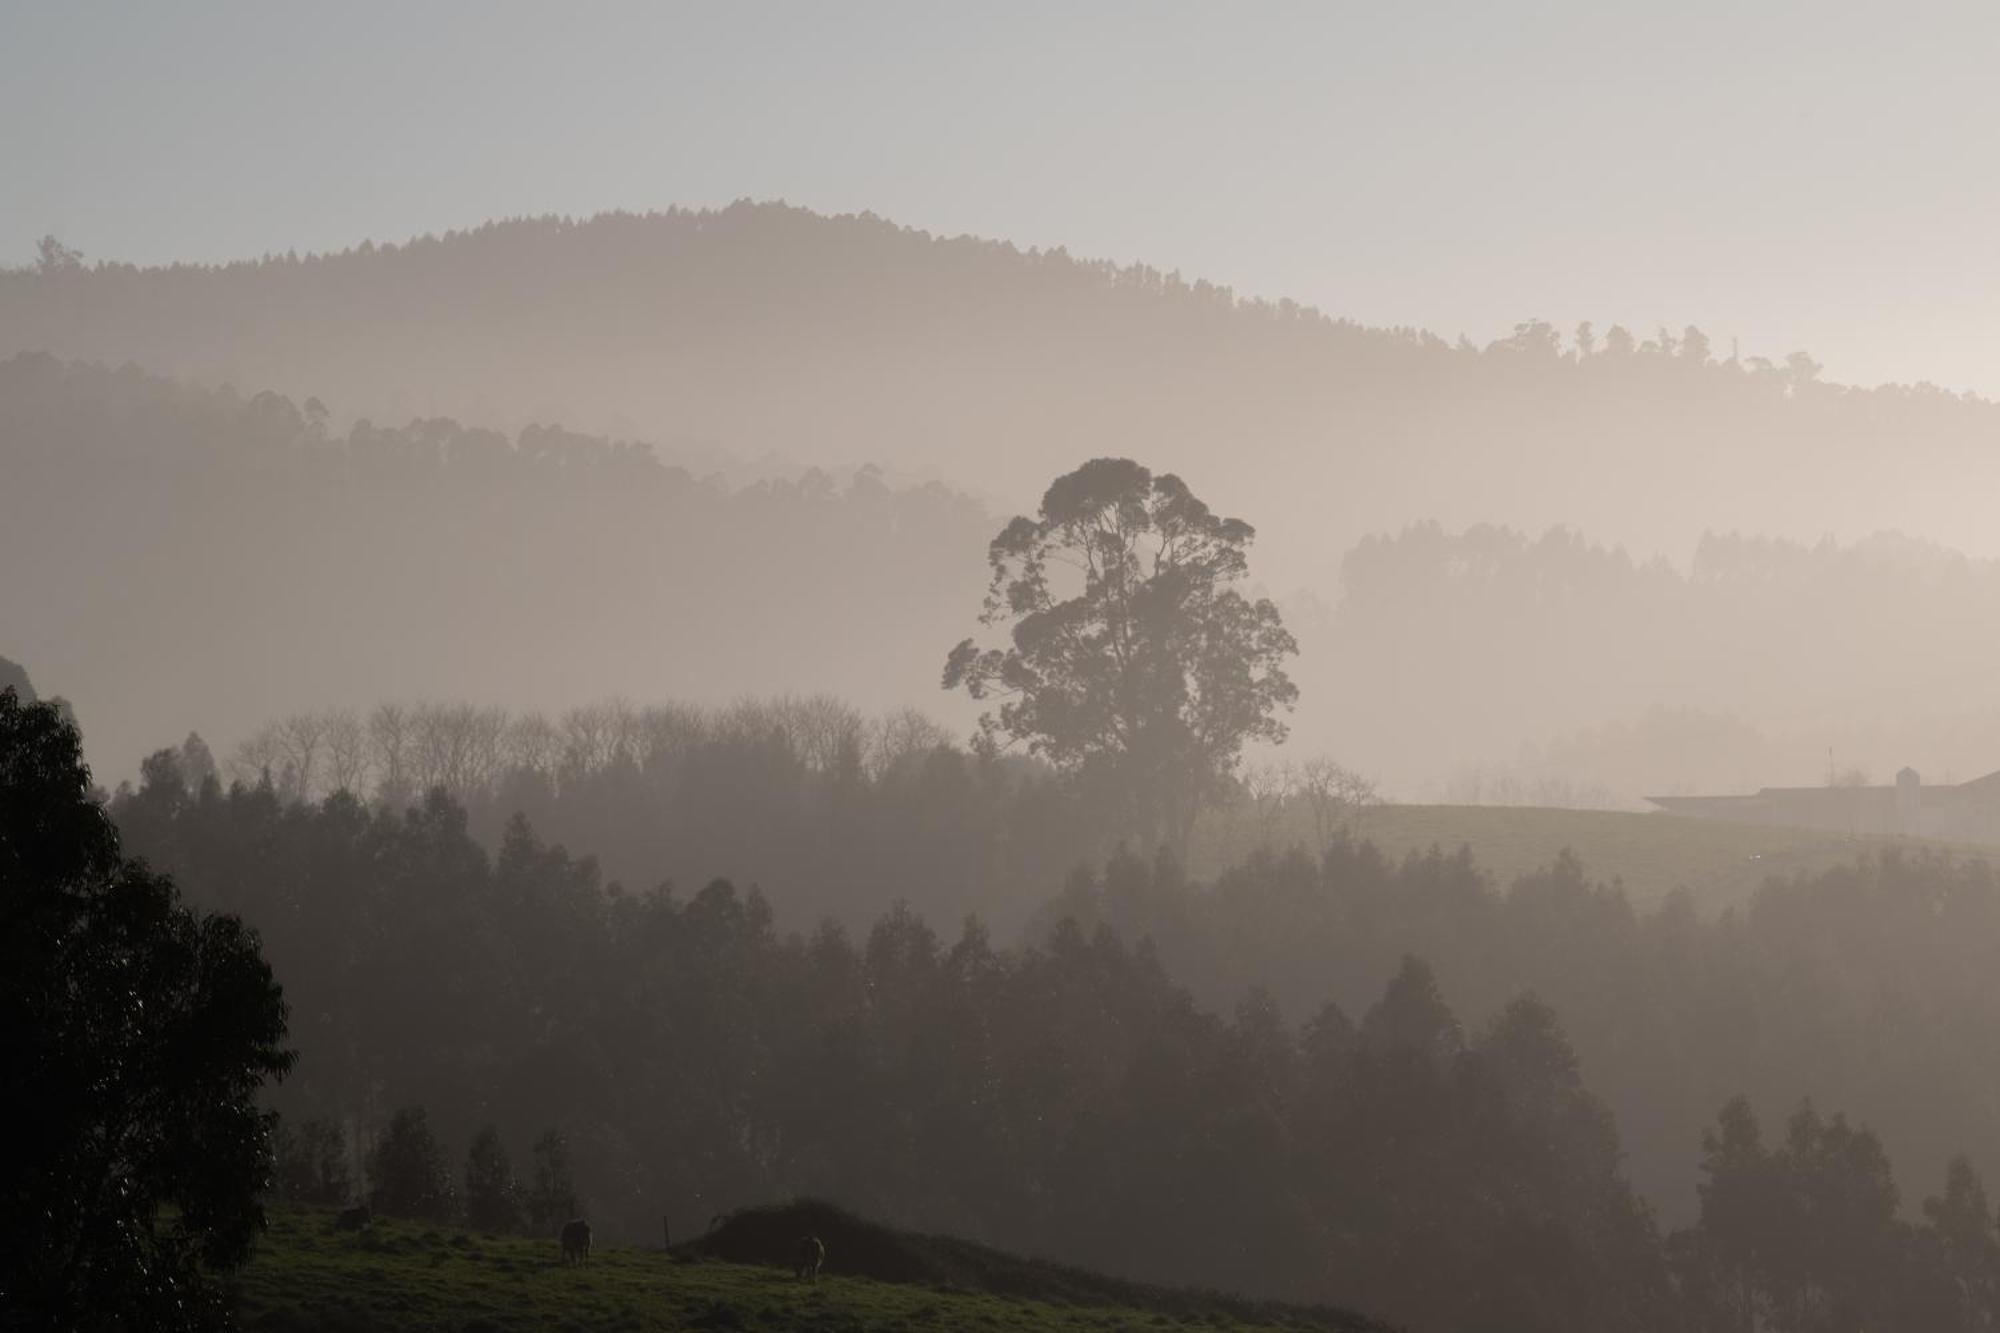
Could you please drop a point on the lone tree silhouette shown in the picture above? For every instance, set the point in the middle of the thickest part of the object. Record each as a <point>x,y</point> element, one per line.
<point>1133,661</point>
<point>134,1035</point>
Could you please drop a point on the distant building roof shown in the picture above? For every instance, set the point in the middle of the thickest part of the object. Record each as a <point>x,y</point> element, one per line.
<point>1987,787</point>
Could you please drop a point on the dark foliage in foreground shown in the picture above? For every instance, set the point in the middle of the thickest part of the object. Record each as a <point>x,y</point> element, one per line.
<point>134,1035</point>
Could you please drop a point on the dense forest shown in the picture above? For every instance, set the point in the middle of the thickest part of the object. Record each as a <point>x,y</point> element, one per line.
<point>1339,1134</point>
<point>828,812</point>
<point>1863,988</point>
<point>1672,1011</point>
<point>762,328</point>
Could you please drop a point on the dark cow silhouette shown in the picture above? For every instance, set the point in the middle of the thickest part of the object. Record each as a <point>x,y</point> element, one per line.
<point>576,1241</point>
<point>811,1255</point>
<point>356,1218</point>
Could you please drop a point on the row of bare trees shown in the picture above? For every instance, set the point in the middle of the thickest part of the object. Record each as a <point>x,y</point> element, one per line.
<point>394,752</point>
<point>1284,801</point>
<point>1307,793</point>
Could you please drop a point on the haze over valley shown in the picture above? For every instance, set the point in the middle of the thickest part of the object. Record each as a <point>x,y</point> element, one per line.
<point>1517,514</point>
<point>829,667</point>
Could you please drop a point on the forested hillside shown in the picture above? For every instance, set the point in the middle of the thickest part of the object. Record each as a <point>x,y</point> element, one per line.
<point>836,340</point>
<point>830,813</point>
<point>209,561</point>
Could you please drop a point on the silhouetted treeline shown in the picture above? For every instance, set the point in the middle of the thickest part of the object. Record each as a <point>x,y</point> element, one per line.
<point>1805,1234</point>
<point>1867,988</point>
<point>829,812</point>
<point>245,559</point>
<point>1067,1099</point>
<point>830,340</point>
<point>1577,674</point>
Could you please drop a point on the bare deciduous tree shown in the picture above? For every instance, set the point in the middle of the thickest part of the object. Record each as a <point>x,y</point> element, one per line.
<point>389,748</point>
<point>346,752</point>
<point>903,735</point>
<point>258,756</point>
<point>533,744</point>
<point>301,742</point>
<point>587,734</point>
<point>668,730</point>
<point>1267,785</point>
<point>1333,794</point>
<point>825,732</point>
<point>459,747</point>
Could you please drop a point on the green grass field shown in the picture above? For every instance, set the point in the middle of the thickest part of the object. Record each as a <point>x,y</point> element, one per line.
<point>398,1277</point>
<point>1720,863</point>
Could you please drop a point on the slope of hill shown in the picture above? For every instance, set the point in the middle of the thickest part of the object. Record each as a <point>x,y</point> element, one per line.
<point>399,1277</point>
<point>247,561</point>
<point>836,339</point>
<point>1721,864</point>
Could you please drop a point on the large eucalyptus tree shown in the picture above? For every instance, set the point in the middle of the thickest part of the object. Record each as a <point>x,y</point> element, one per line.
<point>1133,661</point>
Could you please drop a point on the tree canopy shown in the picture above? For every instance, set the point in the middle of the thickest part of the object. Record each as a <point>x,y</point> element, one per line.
<point>135,1035</point>
<point>1132,659</point>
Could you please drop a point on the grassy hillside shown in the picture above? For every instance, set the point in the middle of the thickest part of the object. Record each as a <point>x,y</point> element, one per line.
<point>412,1278</point>
<point>1720,863</point>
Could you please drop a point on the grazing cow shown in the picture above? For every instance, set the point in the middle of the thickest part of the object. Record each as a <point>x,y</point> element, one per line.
<point>576,1241</point>
<point>356,1218</point>
<point>811,1255</point>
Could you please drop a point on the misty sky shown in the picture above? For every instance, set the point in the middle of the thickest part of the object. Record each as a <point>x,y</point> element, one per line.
<point>1811,175</point>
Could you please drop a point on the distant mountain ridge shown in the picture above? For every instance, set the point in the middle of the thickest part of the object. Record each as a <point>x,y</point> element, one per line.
<point>765,329</point>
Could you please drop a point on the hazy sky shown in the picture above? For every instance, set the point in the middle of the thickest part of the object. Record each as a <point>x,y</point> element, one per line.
<point>1813,175</point>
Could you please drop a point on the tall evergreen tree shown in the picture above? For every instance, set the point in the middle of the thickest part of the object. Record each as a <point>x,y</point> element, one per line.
<point>493,1199</point>
<point>409,1172</point>
<point>135,1035</point>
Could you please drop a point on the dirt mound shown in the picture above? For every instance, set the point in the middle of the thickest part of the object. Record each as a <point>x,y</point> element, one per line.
<point>856,1247</point>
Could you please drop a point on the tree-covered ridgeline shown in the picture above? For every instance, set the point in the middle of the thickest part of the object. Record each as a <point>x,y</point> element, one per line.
<point>541,563</point>
<point>762,329</point>
<point>831,812</point>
